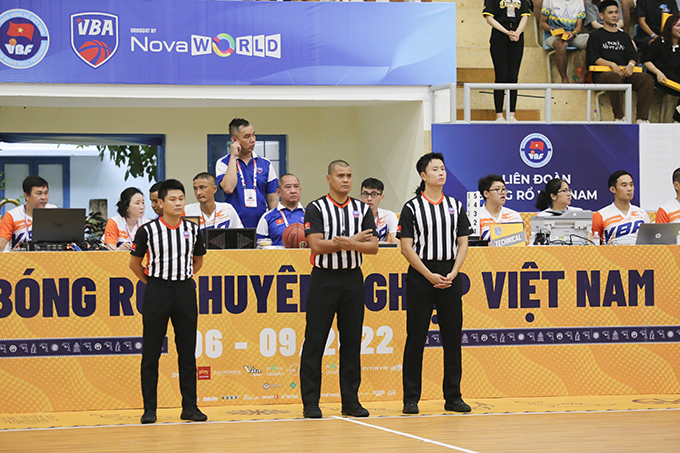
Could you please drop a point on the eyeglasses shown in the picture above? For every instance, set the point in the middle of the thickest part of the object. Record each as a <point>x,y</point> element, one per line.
<point>567,191</point>
<point>500,190</point>
<point>370,194</point>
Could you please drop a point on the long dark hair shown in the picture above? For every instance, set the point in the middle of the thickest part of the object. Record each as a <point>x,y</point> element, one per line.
<point>544,200</point>
<point>421,167</point>
<point>124,202</point>
<point>667,32</point>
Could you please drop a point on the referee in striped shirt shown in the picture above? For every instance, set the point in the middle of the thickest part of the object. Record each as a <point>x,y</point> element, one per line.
<point>175,250</point>
<point>339,231</point>
<point>434,231</point>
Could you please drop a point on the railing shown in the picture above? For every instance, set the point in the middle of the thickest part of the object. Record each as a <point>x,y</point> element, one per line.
<point>547,88</point>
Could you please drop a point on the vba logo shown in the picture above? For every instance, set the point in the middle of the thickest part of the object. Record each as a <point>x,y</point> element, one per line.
<point>24,39</point>
<point>94,37</point>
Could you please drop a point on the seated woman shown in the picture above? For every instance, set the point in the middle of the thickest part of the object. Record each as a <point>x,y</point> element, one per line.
<point>662,59</point>
<point>650,17</point>
<point>555,199</point>
<point>121,229</point>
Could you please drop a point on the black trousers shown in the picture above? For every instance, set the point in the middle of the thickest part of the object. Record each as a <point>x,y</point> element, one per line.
<point>332,292</point>
<point>421,298</point>
<point>507,58</point>
<point>164,300</point>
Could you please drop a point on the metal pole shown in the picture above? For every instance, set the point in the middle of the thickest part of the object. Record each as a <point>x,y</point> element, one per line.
<point>629,104</point>
<point>507,104</point>
<point>548,105</point>
<point>466,102</point>
<point>453,103</point>
<point>433,97</point>
<point>588,108</point>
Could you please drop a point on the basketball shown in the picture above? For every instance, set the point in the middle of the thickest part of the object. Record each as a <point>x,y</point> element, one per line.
<point>293,236</point>
<point>95,52</point>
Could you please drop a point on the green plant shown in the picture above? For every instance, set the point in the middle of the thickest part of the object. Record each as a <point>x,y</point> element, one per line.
<point>95,225</point>
<point>140,160</point>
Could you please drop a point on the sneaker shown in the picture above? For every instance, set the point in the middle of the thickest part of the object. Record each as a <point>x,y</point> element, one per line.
<point>642,121</point>
<point>512,119</point>
<point>410,408</point>
<point>620,120</point>
<point>149,416</point>
<point>355,410</point>
<point>193,414</point>
<point>500,119</point>
<point>457,405</point>
<point>311,411</point>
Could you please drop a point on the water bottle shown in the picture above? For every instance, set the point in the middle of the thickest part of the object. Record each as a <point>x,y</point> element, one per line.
<point>596,238</point>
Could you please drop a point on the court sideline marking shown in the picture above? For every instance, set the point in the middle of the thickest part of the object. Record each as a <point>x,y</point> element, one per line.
<point>392,431</point>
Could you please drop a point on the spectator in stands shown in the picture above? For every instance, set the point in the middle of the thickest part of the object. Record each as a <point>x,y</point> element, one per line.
<point>507,19</point>
<point>567,15</point>
<point>593,18</point>
<point>386,222</point>
<point>662,59</point>
<point>670,211</point>
<point>608,46</point>
<point>248,180</point>
<point>121,229</point>
<point>211,214</point>
<point>17,224</point>
<point>492,188</point>
<point>153,197</point>
<point>555,200</point>
<point>289,210</point>
<point>618,223</point>
<point>650,17</point>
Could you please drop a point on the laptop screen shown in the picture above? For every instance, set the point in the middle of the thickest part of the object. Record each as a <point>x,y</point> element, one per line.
<point>58,225</point>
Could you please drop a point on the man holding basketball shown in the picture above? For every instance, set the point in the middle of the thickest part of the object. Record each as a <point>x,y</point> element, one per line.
<point>289,210</point>
<point>339,231</point>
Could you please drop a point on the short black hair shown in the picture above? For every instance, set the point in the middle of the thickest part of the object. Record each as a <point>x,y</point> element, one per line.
<point>287,174</point>
<point>373,183</point>
<point>155,187</point>
<point>606,4</point>
<point>125,198</point>
<point>486,182</point>
<point>236,125</point>
<point>611,182</point>
<point>32,181</point>
<point>676,175</point>
<point>336,163</point>
<point>167,185</point>
<point>205,175</point>
<point>421,167</point>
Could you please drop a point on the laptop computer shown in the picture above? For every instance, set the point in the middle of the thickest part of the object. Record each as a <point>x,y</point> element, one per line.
<point>658,234</point>
<point>229,238</point>
<point>58,225</point>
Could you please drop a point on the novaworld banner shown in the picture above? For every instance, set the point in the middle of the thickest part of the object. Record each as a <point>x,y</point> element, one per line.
<point>227,43</point>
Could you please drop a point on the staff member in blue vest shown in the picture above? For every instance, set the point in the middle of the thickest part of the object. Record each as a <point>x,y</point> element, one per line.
<point>434,231</point>
<point>288,211</point>
<point>339,231</point>
<point>248,180</point>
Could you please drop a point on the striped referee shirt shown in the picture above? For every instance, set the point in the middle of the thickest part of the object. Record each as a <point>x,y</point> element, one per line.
<point>170,250</point>
<point>434,226</point>
<point>331,219</point>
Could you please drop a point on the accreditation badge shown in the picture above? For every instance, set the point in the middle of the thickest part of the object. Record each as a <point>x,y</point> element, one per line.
<point>250,198</point>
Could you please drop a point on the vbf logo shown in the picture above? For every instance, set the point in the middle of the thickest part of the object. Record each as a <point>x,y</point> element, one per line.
<point>94,37</point>
<point>24,39</point>
<point>536,150</point>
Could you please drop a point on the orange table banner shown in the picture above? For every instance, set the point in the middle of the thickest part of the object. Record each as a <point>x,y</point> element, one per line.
<point>538,321</point>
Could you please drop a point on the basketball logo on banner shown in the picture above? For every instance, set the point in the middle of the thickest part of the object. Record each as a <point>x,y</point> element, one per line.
<point>94,37</point>
<point>24,39</point>
<point>536,150</point>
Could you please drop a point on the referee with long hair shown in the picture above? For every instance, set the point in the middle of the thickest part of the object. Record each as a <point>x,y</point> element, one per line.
<point>434,231</point>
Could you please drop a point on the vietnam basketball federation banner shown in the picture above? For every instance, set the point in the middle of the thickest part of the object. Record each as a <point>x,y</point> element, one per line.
<point>527,157</point>
<point>227,43</point>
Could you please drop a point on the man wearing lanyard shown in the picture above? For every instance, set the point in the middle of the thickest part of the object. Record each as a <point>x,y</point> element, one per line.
<point>212,214</point>
<point>17,225</point>
<point>340,230</point>
<point>248,180</point>
<point>289,210</point>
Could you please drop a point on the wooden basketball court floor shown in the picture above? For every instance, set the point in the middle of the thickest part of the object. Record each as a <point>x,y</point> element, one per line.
<point>633,423</point>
